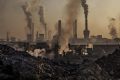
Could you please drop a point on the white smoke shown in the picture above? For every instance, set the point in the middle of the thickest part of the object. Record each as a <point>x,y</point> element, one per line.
<point>33,7</point>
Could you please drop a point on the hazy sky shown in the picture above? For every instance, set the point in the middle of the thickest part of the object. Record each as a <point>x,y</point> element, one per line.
<point>12,17</point>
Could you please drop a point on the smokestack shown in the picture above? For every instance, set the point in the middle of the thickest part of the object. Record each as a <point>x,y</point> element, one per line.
<point>37,35</point>
<point>32,32</point>
<point>59,28</point>
<point>86,31</point>
<point>46,31</point>
<point>75,29</point>
<point>7,37</point>
<point>49,35</point>
<point>85,7</point>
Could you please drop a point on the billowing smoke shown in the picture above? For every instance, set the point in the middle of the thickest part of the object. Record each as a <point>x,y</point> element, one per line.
<point>32,5</point>
<point>112,28</point>
<point>30,8</point>
<point>72,10</point>
<point>28,18</point>
<point>85,7</point>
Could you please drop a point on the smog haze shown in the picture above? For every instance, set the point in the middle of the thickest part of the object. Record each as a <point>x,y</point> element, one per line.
<point>13,19</point>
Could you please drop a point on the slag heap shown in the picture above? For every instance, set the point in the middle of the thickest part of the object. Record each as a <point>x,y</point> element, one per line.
<point>15,65</point>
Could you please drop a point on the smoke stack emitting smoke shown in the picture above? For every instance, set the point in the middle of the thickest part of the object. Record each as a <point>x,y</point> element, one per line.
<point>112,28</point>
<point>72,10</point>
<point>85,7</point>
<point>42,21</point>
<point>30,8</point>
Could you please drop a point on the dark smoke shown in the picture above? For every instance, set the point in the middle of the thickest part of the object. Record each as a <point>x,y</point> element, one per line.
<point>112,28</point>
<point>42,21</point>
<point>30,9</point>
<point>72,10</point>
<point>85,7</point>
<point>28,16</point>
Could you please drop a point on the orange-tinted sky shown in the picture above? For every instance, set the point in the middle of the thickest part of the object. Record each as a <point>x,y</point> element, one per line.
<point>12,17</point>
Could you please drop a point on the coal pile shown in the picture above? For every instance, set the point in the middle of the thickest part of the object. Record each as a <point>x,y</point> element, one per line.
<point>53,70</point>
<point>111,64</point>
<point>16,65</point>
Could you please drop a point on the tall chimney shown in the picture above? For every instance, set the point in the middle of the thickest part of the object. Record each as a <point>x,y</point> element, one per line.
<point>59,28</point>
<point>46,36</point>
<point>75,29</point>
<point>32,32</point>
<point>37,35</point>
<point>7,37</point>
<point>86,31</point>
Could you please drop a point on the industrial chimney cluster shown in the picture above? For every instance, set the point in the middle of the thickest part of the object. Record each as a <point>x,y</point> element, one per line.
<point>40,36</point>
<point>31,26</point>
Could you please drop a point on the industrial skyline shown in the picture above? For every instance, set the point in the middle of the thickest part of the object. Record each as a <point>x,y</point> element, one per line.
<point>98,21</point>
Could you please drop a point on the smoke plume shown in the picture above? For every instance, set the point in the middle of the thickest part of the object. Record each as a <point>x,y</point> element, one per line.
<point>85,7</point>
<point>72,10</point>
<point>32,5</point>
<point>31,9</point>
<point>112,28</point>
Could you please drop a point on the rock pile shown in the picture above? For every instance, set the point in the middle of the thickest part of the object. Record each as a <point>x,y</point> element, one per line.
<point>111,64</point>
<point>16,65</point>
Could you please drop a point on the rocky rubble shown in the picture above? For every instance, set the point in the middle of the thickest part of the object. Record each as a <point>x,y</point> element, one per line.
<point>62,71</point>
<point>16,65</point>
<point>21,64</point>
<point>111,64</point>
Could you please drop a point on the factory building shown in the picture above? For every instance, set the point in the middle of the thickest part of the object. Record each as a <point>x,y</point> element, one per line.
<point>40,37</point>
